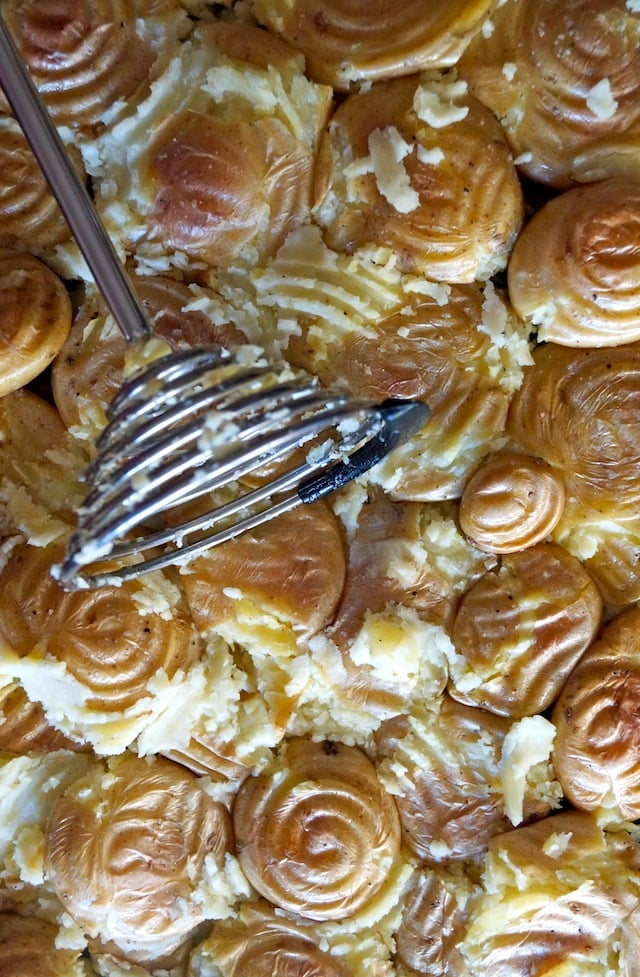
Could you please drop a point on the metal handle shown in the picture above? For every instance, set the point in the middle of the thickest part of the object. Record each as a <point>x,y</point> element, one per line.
<point>73,199</point>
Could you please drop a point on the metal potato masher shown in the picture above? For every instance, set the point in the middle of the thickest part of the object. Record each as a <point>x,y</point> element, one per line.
<point>195,421</point>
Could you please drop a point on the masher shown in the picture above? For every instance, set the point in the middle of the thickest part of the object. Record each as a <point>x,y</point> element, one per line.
<point>252,442</point>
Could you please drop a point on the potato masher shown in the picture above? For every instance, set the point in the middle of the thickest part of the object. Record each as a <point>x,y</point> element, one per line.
<point>195,421</point>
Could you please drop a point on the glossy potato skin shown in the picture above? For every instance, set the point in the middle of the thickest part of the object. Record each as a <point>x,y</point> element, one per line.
<point>585,293</point>
<point>342,47</point>
<point>83,57</point>
<point>523,627</point>
<point>317,833</point>
<point>511,502</point>
<point>336,626</point>
<point>597,748</point>
<point>555,54</point>
<point>570,413</point>
<point>121,866</point>
<point>469,206</point>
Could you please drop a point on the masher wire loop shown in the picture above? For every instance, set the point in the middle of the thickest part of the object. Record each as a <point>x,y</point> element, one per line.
<point>186,477</point>
<point>251,415</point>
<point>136,401</point>
<point>132,429</point>
<point>384,427</point>
<point>196,421</point>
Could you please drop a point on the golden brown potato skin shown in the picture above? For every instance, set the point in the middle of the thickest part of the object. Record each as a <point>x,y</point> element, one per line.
<point>597,746</point>
<point>367,618</point>
<point>444,799</point>
<point>300,585</point>
<point>24,728</point>
<point>511,502</point>
<point>343,45</point>
<point>28,948</point>
<point>218,184</point>
<point>262,944</point>
<point>91,365</point>
<point>560,896</point>
<point>35,318</point>
<point>30,218</point>
<point>120,861</point>
<point>523,627</point>
<point>420,351</point>
<point>536,69</point>
<point>430,351</point>
<point>450,807</point>
<point>317,833</point>
<point>30,431</point>
<point>386,532</point>
<point>101,636</point>
<point>585,292</point>
<point>469,206</point>
<point>579,410</point>
<point>84,55</point>
<point>439,347</point>
<point>433,923</point>
<point>614,566</point>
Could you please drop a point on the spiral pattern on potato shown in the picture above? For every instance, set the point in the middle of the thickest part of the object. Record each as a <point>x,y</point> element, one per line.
<point>511,502</point>
<point>342,46</point>
<point>597,747</point>
<point>580,411</point>
<point>35,318</point>
<point>523,627</point>
<point>220,186</point>
<point>317,834</point>
<point>84,55</point>
<point>106,643</point>
<point>266,946</point>
<point>468,205</point>
<point>567,48</point>
<point>557,54</point>
<point>585,292</point>
<point>29,215</point>
<point>122,862</point>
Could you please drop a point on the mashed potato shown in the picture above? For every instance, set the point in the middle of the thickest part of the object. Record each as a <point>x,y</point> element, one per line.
<point>358,740</point>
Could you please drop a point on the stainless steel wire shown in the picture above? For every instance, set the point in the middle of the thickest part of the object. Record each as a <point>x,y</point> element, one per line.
<point>250,442</point>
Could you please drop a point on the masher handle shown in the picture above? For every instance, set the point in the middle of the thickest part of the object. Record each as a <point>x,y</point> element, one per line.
<point>72,197</point>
